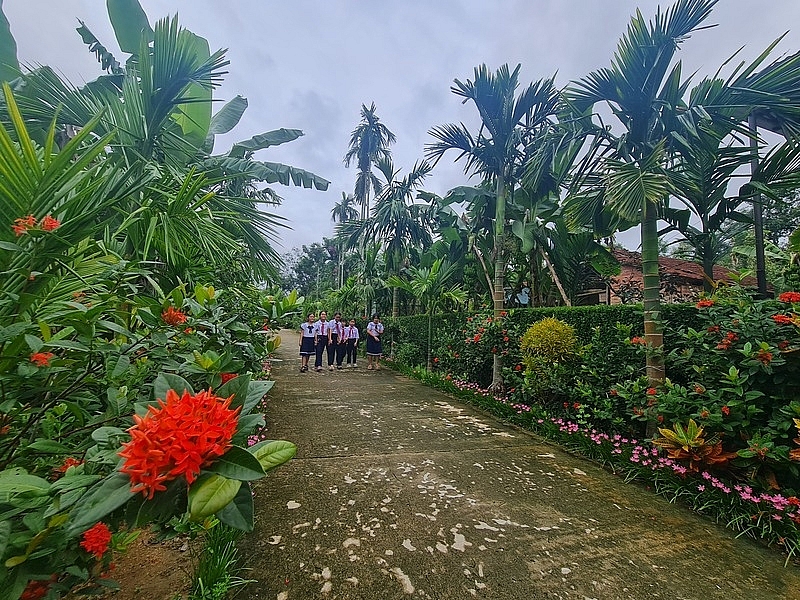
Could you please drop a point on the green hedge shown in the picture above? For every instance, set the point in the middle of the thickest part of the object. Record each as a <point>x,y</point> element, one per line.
<point>408,335</point>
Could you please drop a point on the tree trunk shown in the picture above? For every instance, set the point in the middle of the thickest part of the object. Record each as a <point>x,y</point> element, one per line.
<point>708,267</point>
<point>653,331</point>
<point>395,302</point>
<point>554,275</point>
<point>429,363</point>
<point>498,292</point>
<point>758,219</point>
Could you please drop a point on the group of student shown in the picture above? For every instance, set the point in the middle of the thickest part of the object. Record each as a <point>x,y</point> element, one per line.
<point>338,341</point>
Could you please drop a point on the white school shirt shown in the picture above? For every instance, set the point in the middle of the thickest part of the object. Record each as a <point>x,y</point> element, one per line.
<point>351,333</point>
<point>376,327</point>
<point>308,329</point>
<point>320,328</point>
<point>337,328</point>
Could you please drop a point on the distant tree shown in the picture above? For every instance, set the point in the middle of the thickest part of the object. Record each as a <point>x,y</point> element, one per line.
<point>369,143</point>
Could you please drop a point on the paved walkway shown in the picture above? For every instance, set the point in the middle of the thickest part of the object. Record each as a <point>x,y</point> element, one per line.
<point>399,491</point>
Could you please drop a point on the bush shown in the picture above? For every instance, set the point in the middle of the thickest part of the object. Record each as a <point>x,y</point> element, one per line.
<point>550,339</point>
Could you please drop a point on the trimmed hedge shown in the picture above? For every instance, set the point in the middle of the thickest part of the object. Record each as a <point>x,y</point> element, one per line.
<point>408,335</point>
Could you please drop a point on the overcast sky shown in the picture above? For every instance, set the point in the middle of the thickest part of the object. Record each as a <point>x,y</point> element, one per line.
<point>311,64</point>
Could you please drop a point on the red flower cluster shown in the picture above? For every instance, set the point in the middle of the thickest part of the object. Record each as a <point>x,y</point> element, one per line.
<point>713,329</point>
<point>782,319</point>
<point>789,297</point>
<point>179,438</point>
<point>23,225</point>
<point>638,340</point>
<point>96,540</point>
<point>783,345</point>
<point>518,368</point>
<point>477,338</point>
<point>652,391</point>
<point>613,392</point>
<point>37,588</point>
<point>226,377</point>
<point>705,303</point>
<point>42,359</point>
<point>172,316</point>
<point>69,462</point>
<point>727,342</point>
<point>764,356</point>
<point>725,410</point>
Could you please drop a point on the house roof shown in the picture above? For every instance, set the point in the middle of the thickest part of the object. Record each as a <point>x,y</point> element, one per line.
<point>686,270</point>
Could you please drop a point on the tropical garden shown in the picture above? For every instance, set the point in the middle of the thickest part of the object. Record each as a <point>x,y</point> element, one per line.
<point>141,293</point>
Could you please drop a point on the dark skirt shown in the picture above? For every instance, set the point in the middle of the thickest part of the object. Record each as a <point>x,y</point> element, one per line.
<point>374,346</point>
<point>307,346</point>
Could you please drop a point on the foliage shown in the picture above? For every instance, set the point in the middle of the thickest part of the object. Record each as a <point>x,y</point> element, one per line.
<point>550,339</point>
<point>216,569</point>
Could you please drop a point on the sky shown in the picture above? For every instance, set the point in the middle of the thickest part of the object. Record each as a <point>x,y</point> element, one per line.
<point>311,64</point>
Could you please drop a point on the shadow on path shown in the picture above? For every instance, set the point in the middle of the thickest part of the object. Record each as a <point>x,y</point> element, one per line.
<point>399,491</point>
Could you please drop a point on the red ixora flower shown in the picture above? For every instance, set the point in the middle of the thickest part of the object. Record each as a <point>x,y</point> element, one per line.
<point>96,540</point>
<point>172,316</point>
<point>226,377</point>
<point>789,297</point>
<point>179,438</point>
<point>613,392</point>
<point>42,359</point>
<point>764,356</point>
<point>652,391</point>
<point>725,410</point>
<point>69,462</point>
<point>782,319</point>
<point>22,225</point>
<point>713,329</point>
<point>518,368</point>
<point>638,340</point>
<point>705,303</point>
<point>50,224</point>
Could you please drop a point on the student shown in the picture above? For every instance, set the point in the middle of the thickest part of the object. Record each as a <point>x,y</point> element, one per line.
<point>374,347</point>
<point>336,342</point>
<point>320,339</point>
<point>351,343</point>
<point>306,342</point>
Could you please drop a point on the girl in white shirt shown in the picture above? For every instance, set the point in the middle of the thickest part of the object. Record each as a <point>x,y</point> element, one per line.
<point>374,346</point>
<point>306,342</point>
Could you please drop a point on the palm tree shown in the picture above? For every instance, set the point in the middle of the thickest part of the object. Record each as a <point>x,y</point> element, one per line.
<point>343,212</point>
<point>496,152</point>
<point>433,287</point>
<point>644,93</point>
<point>397,222</point>
<point>369,143</point>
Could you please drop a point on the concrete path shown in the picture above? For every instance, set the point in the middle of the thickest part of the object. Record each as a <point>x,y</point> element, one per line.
<point>399,491</point>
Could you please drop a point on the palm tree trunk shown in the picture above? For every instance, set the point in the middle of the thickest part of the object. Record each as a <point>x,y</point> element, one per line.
<point>653,331</point>
<point>708,267</point>
<point>498,292</point>
<point>395,302</point>
<point>429,363</point>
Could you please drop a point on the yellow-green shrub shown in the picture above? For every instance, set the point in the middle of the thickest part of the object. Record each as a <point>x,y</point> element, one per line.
<point>550,339</point>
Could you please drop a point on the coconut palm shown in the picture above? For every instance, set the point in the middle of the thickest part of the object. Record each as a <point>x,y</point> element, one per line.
<point>369,143</point>
<point>496,152</point>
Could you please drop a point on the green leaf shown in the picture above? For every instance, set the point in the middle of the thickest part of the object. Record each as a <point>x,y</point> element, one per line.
<point>121,367</point>
<point>211,493</point>
<point>255,393</point>
<point>239,512</point>
<point>194,117</point>
<point>16,481</point>
<point>5,533</point>
<point>273,453</point>
<point>8,245</point>
<point>9,64</point>
<point>49,446</point>
<point>101,500</point>
<point>169,381</point>
<point>237,463</point>
<point>74,482</point>
<point>228,116</point>
<point>246,425</point>
<point>237,387</point>
<point>264,140</point>
<point>129,21</point>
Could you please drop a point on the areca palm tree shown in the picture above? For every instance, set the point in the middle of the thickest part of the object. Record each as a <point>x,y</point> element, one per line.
<point>343,212</point>
<point>644,91</point>
<point>496,152</point>
<point>369,143</point>
<point>396,222</point>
